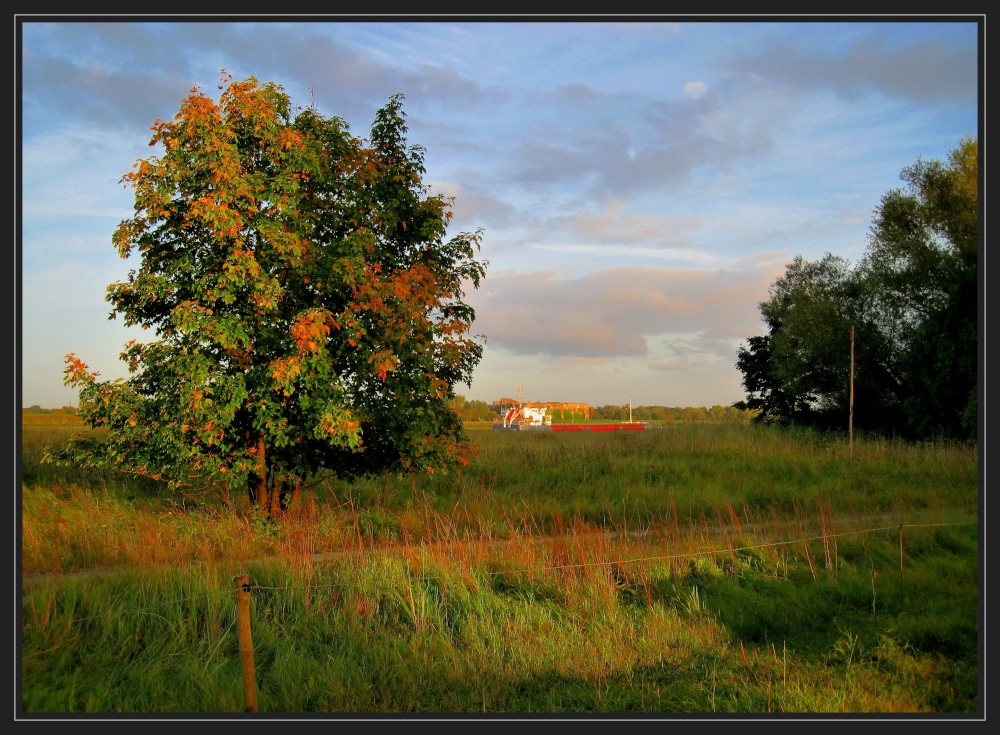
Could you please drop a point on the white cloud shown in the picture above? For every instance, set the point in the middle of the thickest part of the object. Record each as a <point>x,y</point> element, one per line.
<point>694,90</point>
<point>613,312</point>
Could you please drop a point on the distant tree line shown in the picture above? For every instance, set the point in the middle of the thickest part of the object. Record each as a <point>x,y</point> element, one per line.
<point>912,302</point>
<point>38,409</point>
<point>472,410</point>
<point>674,414</point>
<point>483,411</point>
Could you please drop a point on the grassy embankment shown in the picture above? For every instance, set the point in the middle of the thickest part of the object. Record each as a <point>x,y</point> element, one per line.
<point>681,570</point>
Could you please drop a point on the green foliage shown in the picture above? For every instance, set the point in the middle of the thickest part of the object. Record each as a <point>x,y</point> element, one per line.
<point>766,393</point>
<point>923,263</point>
<point>474,410</point>
<point>307,306</point>
<point>911,303</point>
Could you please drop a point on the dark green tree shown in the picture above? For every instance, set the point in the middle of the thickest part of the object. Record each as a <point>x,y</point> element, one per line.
<point>922,265</point>
<point>307,305</point>
<point>794,375</point>
<point>912,303</point>
<point>766,393</point>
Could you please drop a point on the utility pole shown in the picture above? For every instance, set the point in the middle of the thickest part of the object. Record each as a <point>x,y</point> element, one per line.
<point>850,420</point>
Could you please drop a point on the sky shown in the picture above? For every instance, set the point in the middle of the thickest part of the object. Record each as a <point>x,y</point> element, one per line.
<point>640,183</point>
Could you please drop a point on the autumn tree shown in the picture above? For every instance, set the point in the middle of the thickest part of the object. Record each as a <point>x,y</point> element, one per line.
<point>307,305</point>
<point>717,413</point>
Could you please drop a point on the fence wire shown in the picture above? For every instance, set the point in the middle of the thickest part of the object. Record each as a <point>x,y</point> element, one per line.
<point>725,550</point>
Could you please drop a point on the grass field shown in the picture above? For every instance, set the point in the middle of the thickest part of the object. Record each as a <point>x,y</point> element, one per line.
<point>681,570</point>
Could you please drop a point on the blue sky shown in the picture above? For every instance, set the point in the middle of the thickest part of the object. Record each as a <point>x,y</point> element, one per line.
<point>640,183</point>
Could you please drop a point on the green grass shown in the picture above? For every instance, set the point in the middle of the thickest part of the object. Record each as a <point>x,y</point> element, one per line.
<point>694,569</point>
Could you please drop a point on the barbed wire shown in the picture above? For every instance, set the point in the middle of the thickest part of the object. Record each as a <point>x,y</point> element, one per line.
<point>668,557</point>
<point>726,550</point>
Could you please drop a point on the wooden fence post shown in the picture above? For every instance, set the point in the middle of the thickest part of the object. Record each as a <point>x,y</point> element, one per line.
<point>246,642</point>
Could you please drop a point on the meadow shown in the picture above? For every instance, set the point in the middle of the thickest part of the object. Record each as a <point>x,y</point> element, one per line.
<point>682,570</point>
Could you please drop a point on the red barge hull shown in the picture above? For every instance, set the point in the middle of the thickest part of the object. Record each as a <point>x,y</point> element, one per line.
<point>637,426</point>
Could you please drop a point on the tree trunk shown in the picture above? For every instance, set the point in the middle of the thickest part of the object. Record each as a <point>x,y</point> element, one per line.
<point>291,494</point>
<point>271,496</point>
<point>252,488</point>
<point>257,482</point>
<point>275,508</point>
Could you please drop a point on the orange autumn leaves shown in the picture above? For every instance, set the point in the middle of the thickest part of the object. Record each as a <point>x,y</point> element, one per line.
<point>76,371</point>
<point>311,329</point>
